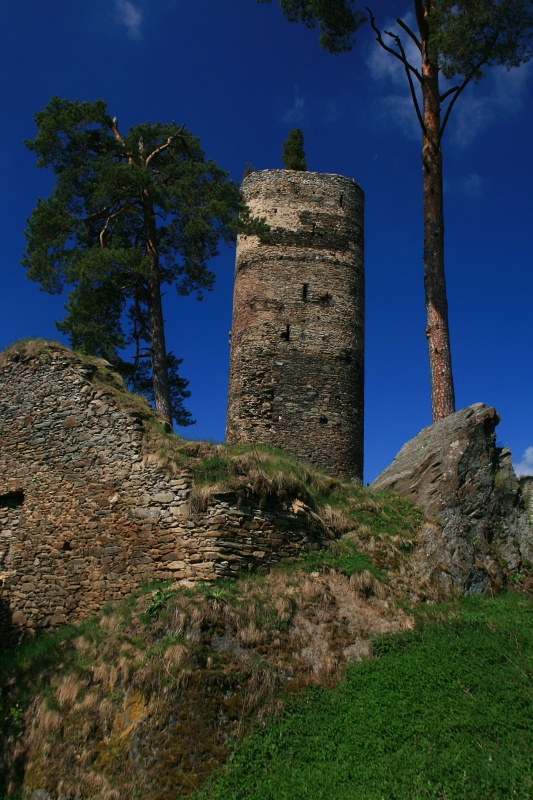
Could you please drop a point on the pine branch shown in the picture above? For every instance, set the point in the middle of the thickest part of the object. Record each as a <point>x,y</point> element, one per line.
<point>117,213</point>
<point>410,33</point>
<point>166,144</point>
<point>402,58</point>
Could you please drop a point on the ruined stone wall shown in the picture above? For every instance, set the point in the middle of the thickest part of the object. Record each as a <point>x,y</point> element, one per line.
<point>85,517</point>
<point>297,340</point>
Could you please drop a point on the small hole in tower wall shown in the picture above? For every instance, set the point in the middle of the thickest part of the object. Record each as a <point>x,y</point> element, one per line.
<point>12,499</point>
<point>286,334</point>
<point>305,290</point>
<point>323,420</point>
<point>341,200</point>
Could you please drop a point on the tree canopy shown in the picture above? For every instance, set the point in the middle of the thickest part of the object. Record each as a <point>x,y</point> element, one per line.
<point>128,215</point>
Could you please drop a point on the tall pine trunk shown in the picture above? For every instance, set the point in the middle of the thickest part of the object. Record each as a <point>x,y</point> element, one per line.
<point>437,330</point>
<point>158,350</point>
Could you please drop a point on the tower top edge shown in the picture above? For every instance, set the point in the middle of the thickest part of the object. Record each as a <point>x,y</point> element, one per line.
<point>293,173</point>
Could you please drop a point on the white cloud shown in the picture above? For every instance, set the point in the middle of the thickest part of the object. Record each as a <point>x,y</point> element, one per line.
<point>127,14</point>
<point>295,114</point>
<point>397,105</point>
<point>398,110</point>
<point>383,65</point>
<point>472,186</point>
<point>525,467</point>
<point>501,94</point>
<point>511,86</point>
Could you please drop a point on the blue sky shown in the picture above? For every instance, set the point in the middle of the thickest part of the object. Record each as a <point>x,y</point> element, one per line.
<point>240,77</point>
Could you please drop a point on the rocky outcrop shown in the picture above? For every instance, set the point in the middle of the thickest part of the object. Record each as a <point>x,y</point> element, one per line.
<point>526,485</point>
<point>478,532</point>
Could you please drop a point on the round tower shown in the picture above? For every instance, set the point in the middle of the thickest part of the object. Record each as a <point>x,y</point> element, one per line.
<point>297,342</point>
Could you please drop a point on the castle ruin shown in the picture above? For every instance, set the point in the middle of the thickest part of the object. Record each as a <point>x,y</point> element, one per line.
<point>297,341</point>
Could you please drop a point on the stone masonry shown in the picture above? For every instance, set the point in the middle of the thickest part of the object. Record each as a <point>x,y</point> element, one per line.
<point>86,517</point>
<point>297,340</point>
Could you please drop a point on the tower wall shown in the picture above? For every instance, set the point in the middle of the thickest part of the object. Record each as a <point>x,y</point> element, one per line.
<point>297,343</point>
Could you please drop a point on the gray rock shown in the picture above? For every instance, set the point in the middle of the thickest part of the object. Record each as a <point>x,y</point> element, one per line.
<point>478,532</point>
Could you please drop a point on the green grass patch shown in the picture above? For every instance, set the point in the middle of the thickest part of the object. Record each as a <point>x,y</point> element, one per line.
<point>344,557</point>
<point>270,472</point>
<point>35,655</point>
<point>443,712</point>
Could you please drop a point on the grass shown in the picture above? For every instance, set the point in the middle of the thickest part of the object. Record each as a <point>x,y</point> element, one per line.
<point>444,711</point>
<point>344,557</point>
<point>173,675</point>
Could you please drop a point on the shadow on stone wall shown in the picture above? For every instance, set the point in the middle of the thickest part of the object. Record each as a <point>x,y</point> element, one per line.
<point>9,633</point>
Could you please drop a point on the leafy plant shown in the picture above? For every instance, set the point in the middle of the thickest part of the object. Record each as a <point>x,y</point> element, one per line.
<point>343,557</point>
<point>160,598</point>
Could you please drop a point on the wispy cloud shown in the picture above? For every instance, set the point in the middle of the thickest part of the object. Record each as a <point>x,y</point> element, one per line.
<point>397,105</point>
<point>397,110</point>
<point>471,186</point>
<point>501,94</point>
<point>384,65</point>
<point>127,14</point>
<point>296,113</point>
<point>525,467</point>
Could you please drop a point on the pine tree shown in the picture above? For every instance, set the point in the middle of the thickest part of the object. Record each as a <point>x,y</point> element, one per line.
<point>458,39</point>
<point>293,151</point>
<point>128,215</point>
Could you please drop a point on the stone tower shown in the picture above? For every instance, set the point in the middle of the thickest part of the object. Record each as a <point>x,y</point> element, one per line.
<point>297,342</point>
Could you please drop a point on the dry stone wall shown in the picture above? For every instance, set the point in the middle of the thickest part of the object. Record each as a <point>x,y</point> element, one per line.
<point>86,517</point>
<point>297,339</point>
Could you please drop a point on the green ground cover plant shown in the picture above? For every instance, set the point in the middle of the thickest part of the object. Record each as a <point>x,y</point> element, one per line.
<point>444,711</point>
<point>344,557</point>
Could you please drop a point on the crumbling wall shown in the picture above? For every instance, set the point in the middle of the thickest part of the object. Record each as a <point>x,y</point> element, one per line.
<point>86,518</point>
<point>297,340</point>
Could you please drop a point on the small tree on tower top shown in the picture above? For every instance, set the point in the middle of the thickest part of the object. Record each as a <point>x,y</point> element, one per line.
<point>293,151</point>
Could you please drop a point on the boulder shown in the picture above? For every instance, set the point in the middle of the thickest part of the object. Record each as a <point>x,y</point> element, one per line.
<point>478,532</point>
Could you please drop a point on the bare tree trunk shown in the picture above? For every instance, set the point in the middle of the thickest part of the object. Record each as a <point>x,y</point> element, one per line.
<point>437,330</point>
<point>158,350</point>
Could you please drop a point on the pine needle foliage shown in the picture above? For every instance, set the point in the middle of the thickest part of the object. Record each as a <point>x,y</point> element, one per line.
<point>293,151</point>
<point>129,214</point>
